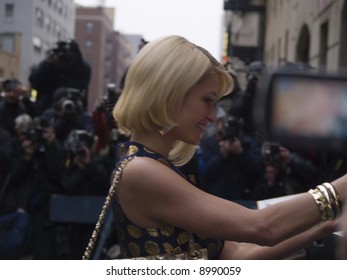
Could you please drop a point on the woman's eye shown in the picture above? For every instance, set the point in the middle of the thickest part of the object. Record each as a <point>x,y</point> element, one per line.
<point>209,100</point>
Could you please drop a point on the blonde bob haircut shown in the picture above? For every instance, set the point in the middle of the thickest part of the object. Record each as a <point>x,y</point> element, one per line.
<point>156,84</point>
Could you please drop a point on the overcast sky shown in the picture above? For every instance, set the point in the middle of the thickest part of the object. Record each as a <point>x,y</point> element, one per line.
<point>200,21</point>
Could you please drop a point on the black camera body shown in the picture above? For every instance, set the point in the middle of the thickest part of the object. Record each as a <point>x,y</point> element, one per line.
<point>77,140</point>
<point>34,133</point>
<point>113,93</point>
<point>110,98</point>
<point>71,101</point>
<point>271,154</point>
<point>232,128</point>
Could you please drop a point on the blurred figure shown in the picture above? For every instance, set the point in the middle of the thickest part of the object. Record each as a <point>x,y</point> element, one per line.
<point>104,124</point>
<point>254,73</point>
<point>36,175</point>
<point>5,140</point>
<point>15,229</point>
<point>285,172</point>
<point>5,170</point>
<point>270,185</point>
<point>85,174</point>
<point>68,113</point>
<point>64,66</point>
<point>233,171</point>
<point>232,102</point>
<point>15,102</point>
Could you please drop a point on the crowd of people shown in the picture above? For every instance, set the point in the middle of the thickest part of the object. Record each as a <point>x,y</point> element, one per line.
<point>54,146</point>
<point>236,162</point>
<point>51,146</point>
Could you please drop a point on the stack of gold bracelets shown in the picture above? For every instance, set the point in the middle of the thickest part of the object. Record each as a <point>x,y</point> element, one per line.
<point>328,201</point>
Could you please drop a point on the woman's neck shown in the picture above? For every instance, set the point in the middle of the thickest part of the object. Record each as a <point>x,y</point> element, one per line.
<point>161,144</point>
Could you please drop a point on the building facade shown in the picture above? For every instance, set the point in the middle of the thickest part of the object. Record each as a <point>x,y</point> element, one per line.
<point>310,31</point>
<point>39,24</point>
<point>244,25</point>
<point>103,48</point>
<point>9,55</point>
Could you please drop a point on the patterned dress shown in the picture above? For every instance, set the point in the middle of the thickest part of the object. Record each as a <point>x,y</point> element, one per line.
<point>136,241</point>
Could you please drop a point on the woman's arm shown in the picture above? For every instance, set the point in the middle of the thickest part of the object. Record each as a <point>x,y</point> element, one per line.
<point>283,250</point>
<point>151,195</point>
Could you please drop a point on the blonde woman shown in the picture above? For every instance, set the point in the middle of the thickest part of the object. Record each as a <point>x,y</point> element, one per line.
<point>169,99</point>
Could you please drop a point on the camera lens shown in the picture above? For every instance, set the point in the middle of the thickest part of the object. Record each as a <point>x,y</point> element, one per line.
<point>68,106</point>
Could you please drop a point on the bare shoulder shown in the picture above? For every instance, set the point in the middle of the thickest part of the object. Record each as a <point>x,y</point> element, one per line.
<point>145,182</point>
<point>148,178</point>
<point>141,169</point>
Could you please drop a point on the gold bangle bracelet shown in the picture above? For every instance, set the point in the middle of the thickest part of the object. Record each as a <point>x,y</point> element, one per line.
<point>330,187</point>
<point>319,199</point>
<point>330,207</point>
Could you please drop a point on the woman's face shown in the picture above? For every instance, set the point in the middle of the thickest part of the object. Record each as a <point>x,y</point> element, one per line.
<point>198,110</point>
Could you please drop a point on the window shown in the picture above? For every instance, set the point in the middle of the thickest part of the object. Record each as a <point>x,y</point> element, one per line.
<point>8,43</point>
<point>59,7</point>
<point>48,23</point>
<point>89,26</point>
<point>37,43</point>
<point>39,17</point>
<point>9,10</point>
<point>89,44</point>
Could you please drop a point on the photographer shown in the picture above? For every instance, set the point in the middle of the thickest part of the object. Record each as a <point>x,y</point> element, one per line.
<point>35,176</point>
<point>67,113</point>
<point>85,174</point>
<point>105,126</point>
<point>233,171</point>
<point>64,66</point>
<point>256,70</point>
<point>15,102</point>
<point>285,172</point>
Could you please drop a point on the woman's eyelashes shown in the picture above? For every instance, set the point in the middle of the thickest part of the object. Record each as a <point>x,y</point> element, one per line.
<point>209,99</point>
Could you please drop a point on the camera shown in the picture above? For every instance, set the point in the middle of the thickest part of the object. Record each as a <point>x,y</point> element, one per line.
<point>271,154</point>
<point>110,98</point>
<point>70,101</point>
<point>113,94</point>
<point>232,128</point>
<point>34,133</point>
<point>77,140</point>
<point>301,110</point>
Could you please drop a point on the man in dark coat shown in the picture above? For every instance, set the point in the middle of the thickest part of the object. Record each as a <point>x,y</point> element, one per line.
<point>64,66</point>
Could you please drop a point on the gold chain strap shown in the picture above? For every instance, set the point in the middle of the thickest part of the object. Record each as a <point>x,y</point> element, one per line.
<point>112,191</point>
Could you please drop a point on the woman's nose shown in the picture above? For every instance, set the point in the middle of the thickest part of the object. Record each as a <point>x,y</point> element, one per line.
<point>211,115</point>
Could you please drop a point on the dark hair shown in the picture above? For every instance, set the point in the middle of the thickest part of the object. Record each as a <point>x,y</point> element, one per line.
<point>66,49</point>
<point>10,84</point>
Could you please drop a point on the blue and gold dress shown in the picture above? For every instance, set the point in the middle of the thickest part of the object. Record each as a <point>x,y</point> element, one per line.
<point>136,241</point>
